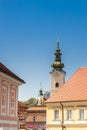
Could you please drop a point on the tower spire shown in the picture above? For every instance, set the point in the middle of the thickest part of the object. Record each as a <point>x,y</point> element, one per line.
<point>40,95</point>
<point>40,91</point>
<point>57,74</point>
<point>57,65</point>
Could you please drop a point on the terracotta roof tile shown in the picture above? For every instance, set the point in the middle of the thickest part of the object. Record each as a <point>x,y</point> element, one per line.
<point>75,89</point>
<point>5,70</point>
<point>20,104</point>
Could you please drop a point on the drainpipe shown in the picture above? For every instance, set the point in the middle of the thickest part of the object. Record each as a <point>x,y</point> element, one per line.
<point>62,116</point>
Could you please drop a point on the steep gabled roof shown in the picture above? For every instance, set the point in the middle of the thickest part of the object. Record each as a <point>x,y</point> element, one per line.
<point>8,72</point>
<point>75,89</point>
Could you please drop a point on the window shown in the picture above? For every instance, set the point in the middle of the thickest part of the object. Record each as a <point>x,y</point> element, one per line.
<point>12,103</point>
<point>27,119</point>
<point>69,114</point>
<point>34,118</point>
<point>3,102</point>
<point>81,114</point>
<point>56,115</point>
<point>43,118</point>
<point>57,85</point>
<point>4,96</point>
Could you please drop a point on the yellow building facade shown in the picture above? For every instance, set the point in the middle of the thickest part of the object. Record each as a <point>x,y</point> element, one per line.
<point>36,114</point>
<point>67,116</point>
<point>36,118</point>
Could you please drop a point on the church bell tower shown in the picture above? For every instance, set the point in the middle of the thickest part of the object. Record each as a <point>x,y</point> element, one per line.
<point>57,74</point>
<point>40,97</point>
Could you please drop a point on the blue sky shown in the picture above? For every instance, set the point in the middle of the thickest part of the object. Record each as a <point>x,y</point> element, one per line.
<point>29,30</point>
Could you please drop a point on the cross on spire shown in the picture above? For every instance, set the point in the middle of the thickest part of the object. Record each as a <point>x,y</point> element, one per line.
<point>57,44</point>
<point>40,85</point>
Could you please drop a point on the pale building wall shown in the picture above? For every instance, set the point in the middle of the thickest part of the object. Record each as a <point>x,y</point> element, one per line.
<point>8,102</point>
<point>39,116</point>
<point>60,78</point>
<point>74,124</point>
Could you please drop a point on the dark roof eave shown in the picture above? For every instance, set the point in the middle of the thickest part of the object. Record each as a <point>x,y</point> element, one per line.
<point>13,76</point>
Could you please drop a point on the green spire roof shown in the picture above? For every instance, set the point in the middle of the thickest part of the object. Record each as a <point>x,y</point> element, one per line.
<point>57,65</point>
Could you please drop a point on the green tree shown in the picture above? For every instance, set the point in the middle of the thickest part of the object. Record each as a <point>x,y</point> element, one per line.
<point>31,101</point>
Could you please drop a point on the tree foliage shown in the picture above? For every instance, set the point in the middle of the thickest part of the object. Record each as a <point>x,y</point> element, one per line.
<point>31,101</point>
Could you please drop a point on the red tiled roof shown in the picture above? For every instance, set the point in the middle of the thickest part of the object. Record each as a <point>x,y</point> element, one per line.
<point>20,104</point>
<point>75,89</point>
<point>5,70</point>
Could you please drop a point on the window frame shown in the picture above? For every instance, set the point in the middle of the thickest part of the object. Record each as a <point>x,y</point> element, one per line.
<point>69,113</point>
<point>34,118</point>
<point>81,117</point>
<point>4,98</point>
<point>56,117</point>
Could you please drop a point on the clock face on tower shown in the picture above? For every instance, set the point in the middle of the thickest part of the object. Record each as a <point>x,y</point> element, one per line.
<point>56,74</point>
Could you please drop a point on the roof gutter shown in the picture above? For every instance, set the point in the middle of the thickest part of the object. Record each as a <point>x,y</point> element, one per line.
<point>62,122</point>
